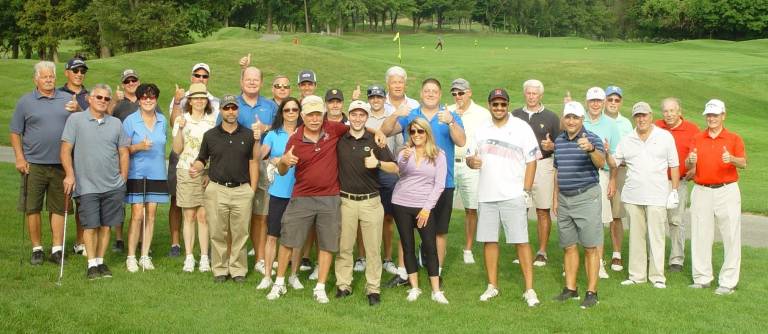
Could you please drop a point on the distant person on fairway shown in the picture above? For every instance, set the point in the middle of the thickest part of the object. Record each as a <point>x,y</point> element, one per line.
<point>439,43</point>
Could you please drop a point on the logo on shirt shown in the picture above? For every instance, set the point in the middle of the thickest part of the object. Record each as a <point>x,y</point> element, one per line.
<point>541,125</point>
<point>366,149</point>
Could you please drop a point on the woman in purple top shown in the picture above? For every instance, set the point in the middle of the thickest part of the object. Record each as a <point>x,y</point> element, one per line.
<point>422,179</point>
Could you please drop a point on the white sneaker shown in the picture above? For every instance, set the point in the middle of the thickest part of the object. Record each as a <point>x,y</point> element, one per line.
<point>359,265</point>
<point>265,283</point>
<point>205,264</point>
<point>146,263</point>
<point>189,264</point>
<point>468,257</point>
<point>489,293</point>
<point>274,265</point>
<point>659,285</point>
<point>293,280</point>
<point>723,291</point>
<point>252,252</point>
<point>603,273</point>
<point>390,267</point>
<point>277,291</point>
<point>131,264</point>
<point>439,297</point>
<point>313,275</point>
<point>629,282</point>
<point>320,296</point>
<point>79,249</point>
<point>531,298</point>
<point>516,261</point>
<point>259,266</point>
<point>413,294</point>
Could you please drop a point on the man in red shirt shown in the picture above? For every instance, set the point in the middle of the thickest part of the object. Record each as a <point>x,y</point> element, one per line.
<point>715,154</point>
<point>683,132</point>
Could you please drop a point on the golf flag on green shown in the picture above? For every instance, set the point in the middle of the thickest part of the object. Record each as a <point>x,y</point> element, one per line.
<point>399,49</point>
<point>397,37</point>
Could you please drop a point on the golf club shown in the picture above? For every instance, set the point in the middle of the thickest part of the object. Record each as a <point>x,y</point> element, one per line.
<point>22,241</point>
<point>144,219</point>
<point>67,199</point>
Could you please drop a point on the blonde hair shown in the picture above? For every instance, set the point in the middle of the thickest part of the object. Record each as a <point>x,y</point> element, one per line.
<point>431,151</point>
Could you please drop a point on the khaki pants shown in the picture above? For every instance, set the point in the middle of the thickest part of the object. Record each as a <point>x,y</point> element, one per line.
<point>676,225</point>
<point>228,211</point>
<point>646,242</point>
<point>369,216</point>
<point>721,207</point>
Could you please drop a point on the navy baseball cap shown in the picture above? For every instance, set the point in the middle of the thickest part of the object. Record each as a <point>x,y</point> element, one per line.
<point>610,90</point>
<point>498,93</point>
<point>334,94</point>
<point>75,63</point>
<point>307,76</point>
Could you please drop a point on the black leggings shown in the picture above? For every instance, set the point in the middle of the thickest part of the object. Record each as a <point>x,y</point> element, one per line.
<point>405,218</point>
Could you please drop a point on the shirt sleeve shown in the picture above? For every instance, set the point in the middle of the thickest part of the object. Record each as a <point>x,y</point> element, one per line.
<point>382,153</point>
<point>122,140</point>
<point>69,133</point>
<point>336,129</point>
<point>457,119</point>
<point>598,143</point>
<point>18,122</point>
<point>441,169</point>
<point>128,129</point>
<point>672,160</point>
<point>532,151</point>
<point>618,156</point>
<point>204,152</point>
<point>738,148</point>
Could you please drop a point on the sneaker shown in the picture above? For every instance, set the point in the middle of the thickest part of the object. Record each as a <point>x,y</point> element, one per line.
<point>306,264</point>
<point>567,294</point>
<point>205,264</point>
<point>659,285</point>
<point>265,283</point>
<point>220,279</point>
<point>252,252</point>
<point>131,264</point>
<point>490,292</point>
<point>439,297</point>
<point>540,260</point>
<point>320,296</point>
<point>118,247</point>
<point>359,265</point>
<point>146,263</point>
<point>617,264</point>
<point>79,249</point>
<point>516,261</point>
<point>238,279</point>
<point>37,258</point>
<point>675,268</point>
<point>396,281</point>
<point>341,293</point>
<point>259,266</point>
<point>57,257</point>
<point>374,299</point>
<point>104,271</point>
<point>531,298</point>
<point>603,273</point>
<point>389,267</point>
<point>93,273</point>
<point>590,299</point>
<point>413,294</point>
<point>175,251</point>
<point>313,275</point>
<point>277,291</point>
<point>189,264</point>
<point>723,291</point>
<point>293,280</point>
<point>630,282</point>
<point>699,286</point>
<point>469,258</point>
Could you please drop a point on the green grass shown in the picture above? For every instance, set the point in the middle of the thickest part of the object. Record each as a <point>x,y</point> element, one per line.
<point>167,300</point>
<point>695,71</point>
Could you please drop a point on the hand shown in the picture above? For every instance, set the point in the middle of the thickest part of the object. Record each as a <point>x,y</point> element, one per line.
<point>22,166</point>
<point>194,171</point>
<point>146,144</point>
<point>689,174</point>
<point>356,93</point>
<point>380,138</point>
<point>403,110</point>
<point>554,205</point>
<point>547,144</point>
<point>584,143</point>
<point>181,121</point>
<point>206,179</point>
<point>528,199</point>
<point>407,152</point>
<point>445,117</point>
<point>72,106</point>
<point>289,159</point>
<point>245,61</point>
<point>119,94</point>
<point>422,218</point>
<point>69,184</point>
<point>611,189</point>
<point>567,98</point>
<point>178,95</point>
<point>475,161</point>
<point>693,157</point>
<point>371,162</point>
<point>256,127</point>
<point>726,155</point>
<point>673,200</point>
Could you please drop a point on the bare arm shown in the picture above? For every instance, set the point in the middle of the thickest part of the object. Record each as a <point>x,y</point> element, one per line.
<point>391,126</point>
<point>530,173</point>
<point>457,134</point>
<point>66,162</point>
<point>21,162</point>
<point>125,158</point>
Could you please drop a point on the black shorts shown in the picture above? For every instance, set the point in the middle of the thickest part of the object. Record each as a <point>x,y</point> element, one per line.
<point>277,207</point>
<point>442,211</point>
<point>386,199</point>
<point>103,209</point>
<point>173,160</point>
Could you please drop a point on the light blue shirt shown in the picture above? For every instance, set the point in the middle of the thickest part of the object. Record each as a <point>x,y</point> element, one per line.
<point>282,186</point>
<point>605,128</point>
<point>150,163</point>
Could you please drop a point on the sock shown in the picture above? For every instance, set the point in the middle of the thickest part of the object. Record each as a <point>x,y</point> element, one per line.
<point>37,248</point>
<point>175,245</point>
<point>99,260</point>
<point>440,271</point>
<point>320,286</point>
<point>280,280</point>
<point>617,255</point>
<point>190,256</point>
<point>55,249</point>
<point>544,254</point>
<point>401,271</point>
<point>467,251</point>
<point>92,263</point>
<point>203,256</point>
<point>131,257</point>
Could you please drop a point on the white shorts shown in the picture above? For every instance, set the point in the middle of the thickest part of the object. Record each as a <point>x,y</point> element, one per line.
<point>607,213</point>
<point>509,214</point>
<point>544,184</point>
<point>466,180</point>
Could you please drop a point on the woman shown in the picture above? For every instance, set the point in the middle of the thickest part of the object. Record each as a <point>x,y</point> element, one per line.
<point>285,124</point>
<point>422,179</point>
<point>147,174</point>
<point>188,133</point>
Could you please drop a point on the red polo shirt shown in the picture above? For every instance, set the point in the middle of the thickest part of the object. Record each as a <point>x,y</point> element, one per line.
<point>683,135</point>
<point>317,172</point>
<point>710,168</point>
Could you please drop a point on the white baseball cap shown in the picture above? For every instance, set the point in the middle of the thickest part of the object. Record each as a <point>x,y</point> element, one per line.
<point>203,66</point>
<point>595,93</point>
<point>357,104</point>
<point>573,108</point>
<point>714,106</point>
<point>641,108</point>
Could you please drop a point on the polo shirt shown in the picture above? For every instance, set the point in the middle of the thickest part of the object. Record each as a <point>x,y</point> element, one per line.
<point>229,154</point>
<point>683,135</point>
<point>264,111</point>
<point>710,168</point>
<point>394,143</point>
<point>150,163</point>
<point>623,125</point>
<point>125,108</point>
<point>647,165</point>
<point>81,97</point>
<point>40,120</point>
<point>473,118</point>
<point>96,157</point>
<point>442,133</point>
<point>542,122</point>
<point>354,177</point>
<point>605,128</point>
<point>390,108</point>
<point>317,172</point>
<point>282,186</point>
<point>575,169</point>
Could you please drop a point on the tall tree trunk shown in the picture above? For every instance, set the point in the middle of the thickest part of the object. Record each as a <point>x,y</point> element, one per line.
<point>306,16</point>
<point>15,48</point>
<point>339,24</point>
<point>104,51</point>
<point>269,17</point>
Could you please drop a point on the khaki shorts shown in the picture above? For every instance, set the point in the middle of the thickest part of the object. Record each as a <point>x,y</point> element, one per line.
<point>189,190</point>
<point>617,207</point>
<point>544,184</point>
<point>46,183</point>
<point>302,212</point>
<point>260,202</point>
<point>607,215</point>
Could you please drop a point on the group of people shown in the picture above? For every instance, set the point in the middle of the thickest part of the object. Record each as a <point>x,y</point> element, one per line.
<point>293,173</point>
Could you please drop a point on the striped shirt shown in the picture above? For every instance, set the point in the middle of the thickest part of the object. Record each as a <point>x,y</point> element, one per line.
<point>575,169</point>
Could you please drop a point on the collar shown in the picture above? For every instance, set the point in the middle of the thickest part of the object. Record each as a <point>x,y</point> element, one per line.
<point>541,108</point>
<point>568,138</point>
<point>91,118</point>
<point>365,135</point>
<point>722,133</point>
<point>64,88</point>
<point>241,101</point>
<point>158,116</point>
<point>307,140</point>
<point>37,95</point>
<point>221,128</point>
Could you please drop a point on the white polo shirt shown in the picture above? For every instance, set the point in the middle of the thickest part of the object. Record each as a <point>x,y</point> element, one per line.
<point>647,163</point>
<point>473,118</point>
<point>390,108</point>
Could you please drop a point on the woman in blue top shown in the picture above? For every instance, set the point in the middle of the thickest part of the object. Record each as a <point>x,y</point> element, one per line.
<point>273,146</point>
<point>147,174</point>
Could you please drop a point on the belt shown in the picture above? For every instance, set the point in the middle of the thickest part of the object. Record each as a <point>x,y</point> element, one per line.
<point>356,197</point>
<point>458,160</point>
<point>230,184</point>
<point>715,185</point>
<point>577,191</point>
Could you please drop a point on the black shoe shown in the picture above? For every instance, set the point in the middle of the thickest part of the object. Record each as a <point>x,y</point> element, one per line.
<point>56,257</point>
<point>374,299</point>
<point>342,293</point>
<point>675,268</point>
<point>104,271</point>
<point>37,258</point>
<point>220,279</point>
<point>239,279</point>
<point>119,246</point>
<point>590,299</point>
<point>566,295</point>
<point>396,281</point>
<point>306,264</point>
<point>93,273</point>
<point>175,251</point>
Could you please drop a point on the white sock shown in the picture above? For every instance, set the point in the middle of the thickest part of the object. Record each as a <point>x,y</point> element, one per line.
<point>401,271</point>
<point>38,248</point>
<point>617,255</point>
<point>131,257</point>
<point>320,286</point>
<point>541,253</point>
<point>190,256</point>
<point>440,271</point>
<point>280,280</point>
<point>55,249</point>
<point>99,260</point>
<point>92,263</point>
<point>203,256</point>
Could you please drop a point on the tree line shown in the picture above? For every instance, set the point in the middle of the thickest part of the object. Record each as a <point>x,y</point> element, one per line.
<point>107,27</point>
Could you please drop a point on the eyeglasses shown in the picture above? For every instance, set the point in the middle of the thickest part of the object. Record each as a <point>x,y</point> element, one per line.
<point>499,104</point>
<point>415,131</point>
<point>197,75</point>
<point>276,86</point>
<point>100,97</point>
<point>614,100</point>
<point>230,107</point>
<point>79,70</point>
<point>130,81</point>
<point>148,98</point>
<point>458,93</point>
<point>290,109</point>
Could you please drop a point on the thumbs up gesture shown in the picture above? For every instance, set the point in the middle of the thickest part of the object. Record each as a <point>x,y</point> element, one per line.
<point>146,144</point>
<point>475,161</point>
<point>289,159</point>
<point>371,162</point>
<point>726,155</point>
<point>181,121</point>
<point>245,61</point>
<point>547,144</point>
<point>119,94</point>
<point>693,157</point>
<point>445,116</point>
<point>567,98</point>
<point>256,127</point>
<point>584,143</point>
<point>178,94</point>
<point>356,93</point>
<point>72,105</point>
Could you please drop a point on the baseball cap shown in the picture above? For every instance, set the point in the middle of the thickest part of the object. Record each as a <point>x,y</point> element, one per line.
<point>573,108</point>
<point>227,100</point>
<point>641,108</point>
<point>498,93</point>
<point>376,90</point>
<point>129,73</point>
<point>75,63</point>
<point>595,93</point>
<point>460,84</point>
<point>203,66</point>
<point>307,75</point>
<point>198,90</point>
<point>334,94</point>
<point>714,106</point>
<point>357,104</point>
<point>312,103</point>
<point>610,90</point>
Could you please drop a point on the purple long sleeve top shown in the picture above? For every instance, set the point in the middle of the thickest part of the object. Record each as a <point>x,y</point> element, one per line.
<point>419,186</point>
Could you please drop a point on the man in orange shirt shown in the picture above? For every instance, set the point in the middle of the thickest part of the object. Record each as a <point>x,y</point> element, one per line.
<point>715,154</point>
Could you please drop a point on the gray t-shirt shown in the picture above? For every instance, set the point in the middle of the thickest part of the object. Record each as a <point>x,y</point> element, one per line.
<point>40,120</point>
<point>96,156</point>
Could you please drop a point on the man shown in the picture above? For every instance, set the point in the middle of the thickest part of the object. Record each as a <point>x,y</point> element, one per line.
<point>281,89</point>
<point>448,129</point>
<point>613,102</point>
<point>579,154</point>
<point>360,161</point>
<point>473,116</point>
<point>505,153</point>
<point>648,152</point>
<point>98,180</point>
<point>307,83</point>
<point>334,101</point>
<point>36,127</point>
<point>716,199</point>
<point>231,150</point>
<point>546,126</point>
<point>683,132</point>
<point>605,128</point>
<point>126,102</point>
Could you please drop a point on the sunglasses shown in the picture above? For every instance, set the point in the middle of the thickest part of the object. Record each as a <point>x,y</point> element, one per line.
<point>291,110</point>
<point>148,98</point>
<point>197,75</point>
<point>79,70</point>
<point>100,97</point>
<point>458,93</point>
<point>130,81</point>
<point>281,86</point>
<point>499,104</point>
<point>415,131</point>
<point>230,107</point>
<point>614,100</point>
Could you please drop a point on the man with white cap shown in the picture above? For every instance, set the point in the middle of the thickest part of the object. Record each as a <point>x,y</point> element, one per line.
<point>716,199</point>
<point>648,152</point>
<point>579,154</point>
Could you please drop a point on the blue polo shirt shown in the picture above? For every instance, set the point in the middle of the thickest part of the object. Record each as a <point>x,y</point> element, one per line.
<point>40,120</point>
<point>282,186</point>
<point>442,133</point>
<point>575,169</point>
<point>605,128</point>
<point>264,111</point>
<point>151,163</point>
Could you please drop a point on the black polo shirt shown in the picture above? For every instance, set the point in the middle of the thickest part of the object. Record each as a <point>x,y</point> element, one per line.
<point>82,96</point>
<point>542,122</point>
<point>353,176</point>
<point>229,154</point>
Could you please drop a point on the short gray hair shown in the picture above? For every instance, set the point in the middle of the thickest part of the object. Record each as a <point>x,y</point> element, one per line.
<point>45,65</point>
<point>101,86</point>
<point>673,100</point>
<point>280,76</point>
<point>533,83</point>
<point>395,70</point>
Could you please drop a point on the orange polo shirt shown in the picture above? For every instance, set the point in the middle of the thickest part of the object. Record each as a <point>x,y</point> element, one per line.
<point>683,135</point>
<point>710,168</point>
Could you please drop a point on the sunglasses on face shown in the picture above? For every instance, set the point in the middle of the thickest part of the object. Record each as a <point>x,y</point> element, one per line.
<point>230,107</point>
<point>100,97</point>
<point>130,81</point>
<point>197,75</point>
<point>148,98</point>
<point>614,100</point>
<point>79,70</point>
<point>417,131</point>
<point>278,86</point>
<point>291,110</point>
<point>458,93</point>
<point>499,104</point>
